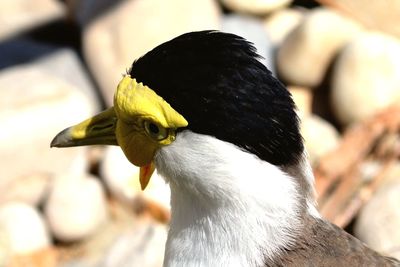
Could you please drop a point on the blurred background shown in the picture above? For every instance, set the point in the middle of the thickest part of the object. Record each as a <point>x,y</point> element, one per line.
<point>60,62</point>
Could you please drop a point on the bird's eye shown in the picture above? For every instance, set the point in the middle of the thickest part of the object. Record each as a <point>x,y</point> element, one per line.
<point>155,131</point>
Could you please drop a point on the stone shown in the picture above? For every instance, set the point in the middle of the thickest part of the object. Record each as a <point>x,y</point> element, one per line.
<point>122,180</point>
<point>76,208</point>
<point>46,257</point>
<point>377,15</point>
<point>378,222</point>
<point>25,228</point>
<point>66,65</point>
<point>320,137</point>
<point>85,11</point>
<point>280,23</point>
<point>76,263</point>
<point>143,246</point>
<point>115,39</point>
<point>303,98</point>
<point>19,15</point>
<point>62,63</point>
<point>306,54</point>
<point>257,7</point>
<point>22,50</point>
<point>35,106</point>
<point>5,246</point>
<point>366,77</point>
<point>120,176</point>
<point>94,247</point>
<point>251,29</point>
<point>29,189</point>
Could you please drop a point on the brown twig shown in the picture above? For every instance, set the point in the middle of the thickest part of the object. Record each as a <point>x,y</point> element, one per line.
<point>340,175</point>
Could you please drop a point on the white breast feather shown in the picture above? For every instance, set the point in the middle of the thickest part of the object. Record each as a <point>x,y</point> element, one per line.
<point>229,208</point>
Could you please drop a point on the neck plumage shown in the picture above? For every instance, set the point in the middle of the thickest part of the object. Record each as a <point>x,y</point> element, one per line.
<point>229,208</point>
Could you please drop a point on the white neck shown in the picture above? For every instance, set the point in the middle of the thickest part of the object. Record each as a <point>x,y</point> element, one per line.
<point>229,208</point>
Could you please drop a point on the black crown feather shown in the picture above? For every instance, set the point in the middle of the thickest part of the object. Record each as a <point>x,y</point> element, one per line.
<point>217,83</point>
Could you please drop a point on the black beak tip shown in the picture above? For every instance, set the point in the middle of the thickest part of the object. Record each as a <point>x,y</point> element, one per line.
<point>62,139</point>
<point>54,143</point>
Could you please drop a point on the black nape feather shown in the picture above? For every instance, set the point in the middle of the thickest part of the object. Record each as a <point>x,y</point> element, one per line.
<point>216,82</point>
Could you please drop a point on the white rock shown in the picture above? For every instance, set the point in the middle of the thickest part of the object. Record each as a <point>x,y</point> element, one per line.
<point>76,208</point>
<point>122,180</point>
<point>280,23</point>
<point>319,135</point>
<point>34,107</point>
<point>378,223</point>
<point>303,98</point>
<point>252,30</point>
<point>20,50</point>
<point>61,63</point>
<point>132,28</point>
<point>30,189</point>
<point>366,77</point>
<point>66,65</point>
<point>19,15</point>
<point>258,7</point>
<point>96,246</point>
<point>5,246</point>
<point>308,50</point>
<point>84,11</point>
<point>143,246</point>
<point>377,15</point>
<point>25,228</point>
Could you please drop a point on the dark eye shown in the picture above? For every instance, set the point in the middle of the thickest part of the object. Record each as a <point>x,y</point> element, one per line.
<point>155,131</point>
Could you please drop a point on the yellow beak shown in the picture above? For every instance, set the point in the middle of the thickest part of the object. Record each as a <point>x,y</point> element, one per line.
<point>98,130</point>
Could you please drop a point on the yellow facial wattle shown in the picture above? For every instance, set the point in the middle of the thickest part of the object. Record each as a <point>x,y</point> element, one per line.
<point>135,100</point>
<point>141,122</point>
<point>145,121</point>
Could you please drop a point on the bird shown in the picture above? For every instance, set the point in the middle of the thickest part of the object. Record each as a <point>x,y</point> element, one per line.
<point>225,135</point>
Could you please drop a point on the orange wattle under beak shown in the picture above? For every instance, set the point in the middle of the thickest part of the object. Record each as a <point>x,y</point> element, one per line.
<point>145,174</point>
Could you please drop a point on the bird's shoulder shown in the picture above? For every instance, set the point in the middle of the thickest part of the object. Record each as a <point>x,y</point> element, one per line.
<point>324,244</point>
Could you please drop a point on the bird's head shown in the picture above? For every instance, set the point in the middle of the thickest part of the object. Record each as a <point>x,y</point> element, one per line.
<point>140,122</point>
<point>207,82</point>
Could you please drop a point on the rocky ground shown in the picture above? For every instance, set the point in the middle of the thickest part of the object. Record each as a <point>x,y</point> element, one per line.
<point>60,62</point>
